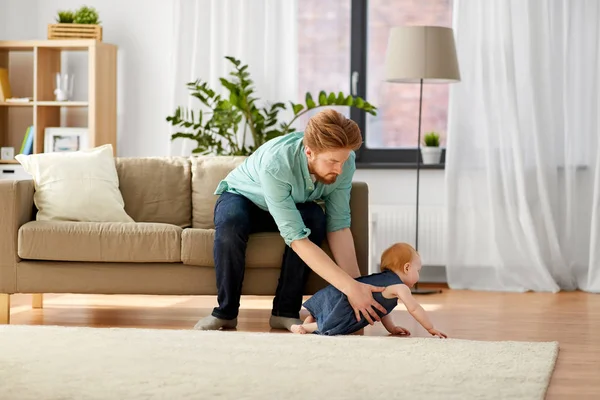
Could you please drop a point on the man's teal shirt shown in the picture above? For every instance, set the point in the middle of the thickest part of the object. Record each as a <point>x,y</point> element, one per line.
<point>275,177</point>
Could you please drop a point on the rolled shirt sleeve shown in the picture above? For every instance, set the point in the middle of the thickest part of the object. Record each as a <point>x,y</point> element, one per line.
<point>281,205</point>
<point>337,203</point>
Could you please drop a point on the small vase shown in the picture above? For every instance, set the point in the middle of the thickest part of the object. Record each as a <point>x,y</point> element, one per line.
<point>64,87</point>
<point>431,155</point>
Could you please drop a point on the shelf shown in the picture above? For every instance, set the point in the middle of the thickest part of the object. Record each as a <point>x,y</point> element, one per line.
<point>67,44</point>
<point>9,162</point>
<point>46,104</point>
<point>16,104</point>
<point>33,65</point>
<point>62,103</point>
<point>16,46</point>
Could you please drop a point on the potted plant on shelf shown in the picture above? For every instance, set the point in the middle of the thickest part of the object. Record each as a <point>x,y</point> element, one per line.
<point>431,152</point>
<point>65,17</point>
<point>235,123</point>
<point>81,24</point>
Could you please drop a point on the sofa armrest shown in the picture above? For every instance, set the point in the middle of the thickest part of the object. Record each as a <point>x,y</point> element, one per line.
<point>359,210</point>
<point>16,208</point>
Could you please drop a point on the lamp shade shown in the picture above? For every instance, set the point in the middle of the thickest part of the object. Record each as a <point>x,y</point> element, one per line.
<point>421,52</point>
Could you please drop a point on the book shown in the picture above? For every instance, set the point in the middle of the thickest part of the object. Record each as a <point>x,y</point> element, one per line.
<point>18,99</point>
<point>5,92</point>
<point>27,144</point>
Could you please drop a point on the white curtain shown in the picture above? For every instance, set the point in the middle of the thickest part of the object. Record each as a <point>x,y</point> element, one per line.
<point>523,176</point>
<point>260,33</point>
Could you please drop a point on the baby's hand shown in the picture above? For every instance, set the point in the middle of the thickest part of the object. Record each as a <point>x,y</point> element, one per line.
<point>398,330</point>
<point>435,332</point>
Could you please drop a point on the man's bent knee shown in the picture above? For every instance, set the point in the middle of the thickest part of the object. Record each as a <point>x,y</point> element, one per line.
<point>229,234</point>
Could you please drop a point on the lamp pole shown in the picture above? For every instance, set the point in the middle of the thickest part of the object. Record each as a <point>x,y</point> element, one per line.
<point>416,289</point>
<point>418,165</point>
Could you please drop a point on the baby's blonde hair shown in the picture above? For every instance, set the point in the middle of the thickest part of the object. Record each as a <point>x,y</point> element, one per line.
<point>395,256</point>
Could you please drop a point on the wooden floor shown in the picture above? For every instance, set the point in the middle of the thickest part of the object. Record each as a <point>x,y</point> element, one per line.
<point>572,319</point>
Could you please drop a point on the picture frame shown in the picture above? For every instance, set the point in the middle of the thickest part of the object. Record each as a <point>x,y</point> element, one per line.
<point>65,139</point>
<point>7,153</point>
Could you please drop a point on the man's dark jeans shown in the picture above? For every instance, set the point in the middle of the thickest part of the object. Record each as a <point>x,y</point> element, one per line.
<point>235,219</point>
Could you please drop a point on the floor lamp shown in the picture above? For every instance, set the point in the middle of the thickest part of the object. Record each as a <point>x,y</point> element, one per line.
<point>421,54</point>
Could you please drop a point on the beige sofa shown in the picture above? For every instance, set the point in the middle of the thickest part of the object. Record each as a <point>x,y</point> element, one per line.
<point>168,250</point>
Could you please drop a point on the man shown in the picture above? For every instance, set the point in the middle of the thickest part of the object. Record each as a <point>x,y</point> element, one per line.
<point>275,190</point>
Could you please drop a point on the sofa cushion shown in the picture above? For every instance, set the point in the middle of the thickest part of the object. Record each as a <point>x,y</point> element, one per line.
<point>265,250</point>
<point>99,241</point>
<point>157,189</point>
<point>207,172</point>
<point>76,185</point>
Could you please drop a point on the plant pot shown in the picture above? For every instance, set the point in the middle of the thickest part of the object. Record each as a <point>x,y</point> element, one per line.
<point>431,155</point>
<point>74,31</point>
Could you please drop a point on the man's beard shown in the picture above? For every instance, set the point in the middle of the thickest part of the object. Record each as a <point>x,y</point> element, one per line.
<point>327,179</point>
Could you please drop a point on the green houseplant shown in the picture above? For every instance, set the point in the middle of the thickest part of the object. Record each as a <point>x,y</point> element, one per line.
<point>431,152</point>
<point>217,125</point>
<point>65,17</point>
<point>86,15</point>
<point>83,23</point>
<point>83,15</point>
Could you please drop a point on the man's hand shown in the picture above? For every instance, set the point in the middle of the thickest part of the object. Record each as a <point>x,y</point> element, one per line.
<point>359,294</point>
<point>361,299</point>
<point>435,332</point>
<point>398,330</point>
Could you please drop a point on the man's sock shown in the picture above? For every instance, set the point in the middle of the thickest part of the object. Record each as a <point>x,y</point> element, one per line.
<point>211,323</point>
<point>283,322</point>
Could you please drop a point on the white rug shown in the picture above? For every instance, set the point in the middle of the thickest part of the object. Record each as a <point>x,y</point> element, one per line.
<point>46,362</point>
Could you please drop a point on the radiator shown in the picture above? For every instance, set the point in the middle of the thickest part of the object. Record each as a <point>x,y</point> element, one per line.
<point>391,224</point>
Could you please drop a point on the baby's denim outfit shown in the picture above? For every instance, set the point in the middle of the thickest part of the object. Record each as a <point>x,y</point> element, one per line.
<point>333,313</point>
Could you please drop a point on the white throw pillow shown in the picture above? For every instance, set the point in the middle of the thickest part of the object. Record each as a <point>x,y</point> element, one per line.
<point>76,186</point>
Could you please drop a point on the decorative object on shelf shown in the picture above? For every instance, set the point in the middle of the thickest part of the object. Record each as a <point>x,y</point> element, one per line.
<point>431,152</point>
<point>86,15</point>
<point>64,86</point>
<point>215,127</point>
<point>65,17</point>
<point>421,54</point>
<point>81,24</point>
<point>63,139</point>
<point>7,153</point>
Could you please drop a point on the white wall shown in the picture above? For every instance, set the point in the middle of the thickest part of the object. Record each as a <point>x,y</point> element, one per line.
<point>3,17</point>
<point>399,186</point>
<point>17,19</point>
<point>142,30</point>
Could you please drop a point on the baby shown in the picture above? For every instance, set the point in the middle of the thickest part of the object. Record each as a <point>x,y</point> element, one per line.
<point>331,313</point>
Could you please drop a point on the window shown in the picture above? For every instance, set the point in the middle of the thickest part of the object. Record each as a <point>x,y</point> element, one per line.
<point>332,60</point>
<point>396,124</point>
<point>323,50</point>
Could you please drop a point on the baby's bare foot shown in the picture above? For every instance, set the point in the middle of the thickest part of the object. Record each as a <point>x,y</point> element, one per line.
<point>298,329</point>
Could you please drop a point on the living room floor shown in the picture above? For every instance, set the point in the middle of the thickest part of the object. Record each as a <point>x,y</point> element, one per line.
<point>572,319</point>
